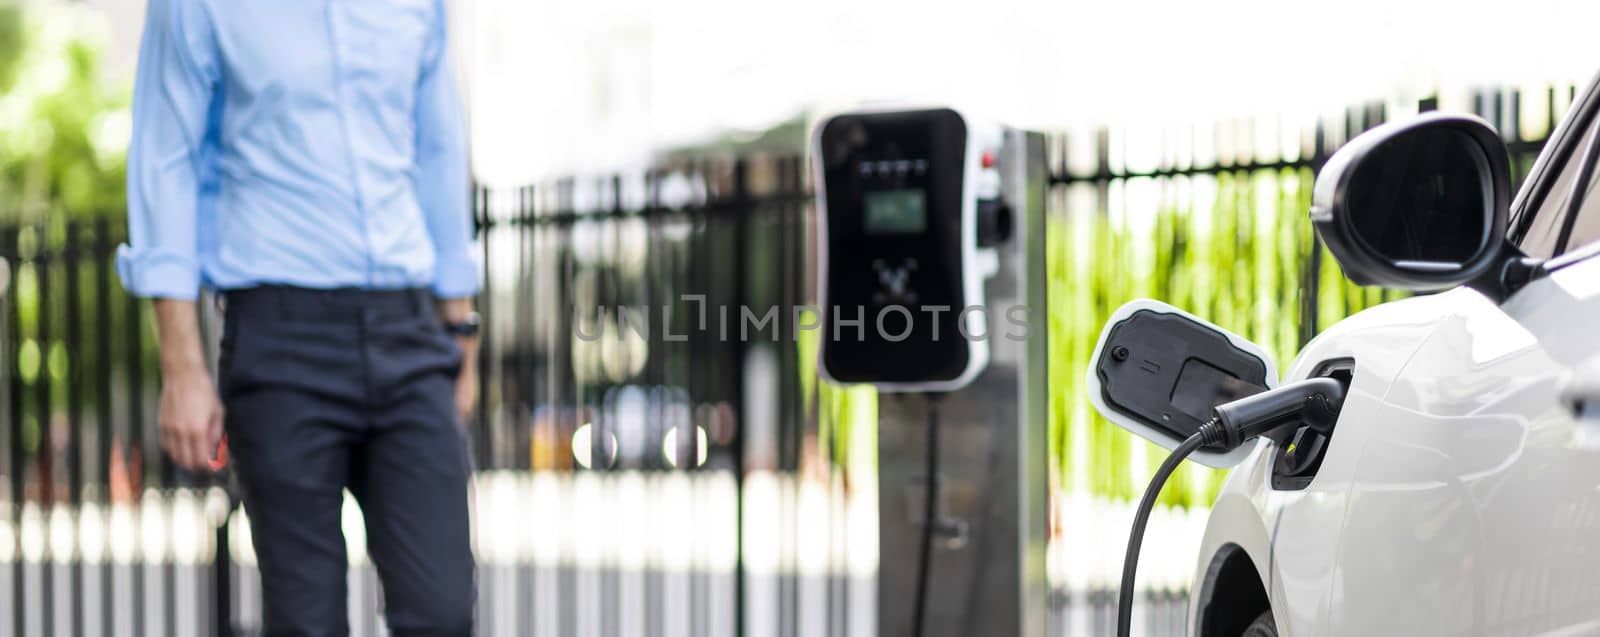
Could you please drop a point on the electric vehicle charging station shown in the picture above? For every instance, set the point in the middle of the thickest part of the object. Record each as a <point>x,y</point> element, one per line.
<point>931,275</point>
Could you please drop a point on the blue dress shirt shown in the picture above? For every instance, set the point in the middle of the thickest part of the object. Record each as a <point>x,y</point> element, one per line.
<point>315,143</point>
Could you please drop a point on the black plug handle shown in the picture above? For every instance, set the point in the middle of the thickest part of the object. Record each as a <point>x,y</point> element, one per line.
<point>1313,400</point>
<point>1321,412</point>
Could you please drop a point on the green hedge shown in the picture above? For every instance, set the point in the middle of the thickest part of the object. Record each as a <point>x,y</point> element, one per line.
<point>63,127</point>
<point>1232,248</point>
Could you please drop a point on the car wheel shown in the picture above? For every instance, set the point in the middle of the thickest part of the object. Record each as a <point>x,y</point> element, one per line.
<point>1263,626</point>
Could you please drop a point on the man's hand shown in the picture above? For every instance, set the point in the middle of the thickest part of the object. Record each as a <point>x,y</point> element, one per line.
<point>191,419</point>
<point>467,382</point>
<point>455,311</point>
<point>191,413</point>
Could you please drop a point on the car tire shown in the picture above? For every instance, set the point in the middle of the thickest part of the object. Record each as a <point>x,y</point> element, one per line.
<point>1263,626</point>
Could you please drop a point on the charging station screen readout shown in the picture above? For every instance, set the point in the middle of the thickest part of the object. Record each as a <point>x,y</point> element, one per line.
<point>900,211</point>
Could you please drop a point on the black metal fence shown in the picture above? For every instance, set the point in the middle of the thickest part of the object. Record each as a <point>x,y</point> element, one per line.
<point>601,293</point>
<point>638,475</point>
<point>101,532</point>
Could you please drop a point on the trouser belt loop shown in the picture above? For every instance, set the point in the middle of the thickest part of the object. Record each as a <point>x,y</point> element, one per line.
<point>421,300</point>
<point>284,302</point>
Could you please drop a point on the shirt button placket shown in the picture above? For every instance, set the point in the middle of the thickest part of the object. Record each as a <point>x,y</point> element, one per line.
<point>342,106</point>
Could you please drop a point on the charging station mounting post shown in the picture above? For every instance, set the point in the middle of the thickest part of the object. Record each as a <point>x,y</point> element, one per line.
<point>930,263</point>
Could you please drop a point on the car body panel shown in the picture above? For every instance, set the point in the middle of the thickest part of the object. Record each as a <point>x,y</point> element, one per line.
<point>1459,496</point>
<point>1477,507</point>
<point>1288,534</point>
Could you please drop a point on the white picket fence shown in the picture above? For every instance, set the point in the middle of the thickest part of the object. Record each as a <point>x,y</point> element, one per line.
<point>575,555</point>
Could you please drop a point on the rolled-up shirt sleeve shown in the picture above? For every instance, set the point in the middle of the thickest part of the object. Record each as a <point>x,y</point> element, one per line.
<point>440,178</point>
<point>175,81</point>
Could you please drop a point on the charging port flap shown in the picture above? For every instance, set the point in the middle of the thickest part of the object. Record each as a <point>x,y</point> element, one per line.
<point>1158,372</point>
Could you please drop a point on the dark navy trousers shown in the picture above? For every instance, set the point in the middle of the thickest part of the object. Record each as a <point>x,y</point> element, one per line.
<point>333,389</point>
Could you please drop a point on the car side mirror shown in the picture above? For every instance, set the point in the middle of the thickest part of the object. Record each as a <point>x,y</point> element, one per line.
<point>1158,372</point>
<point>1418,205</point>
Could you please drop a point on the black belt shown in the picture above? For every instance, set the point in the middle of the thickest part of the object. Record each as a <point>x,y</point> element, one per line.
<point>334,303</point>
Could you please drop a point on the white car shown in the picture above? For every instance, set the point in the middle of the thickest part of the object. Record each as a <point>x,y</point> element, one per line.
<point>1458,492</point>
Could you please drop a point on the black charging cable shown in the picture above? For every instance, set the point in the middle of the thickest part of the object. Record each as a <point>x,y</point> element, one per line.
<point>1208,434</point>
<point>1314,402</point>
<point>930,511</point>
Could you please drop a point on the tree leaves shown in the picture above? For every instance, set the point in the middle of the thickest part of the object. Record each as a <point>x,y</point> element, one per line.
<point>55,107</point>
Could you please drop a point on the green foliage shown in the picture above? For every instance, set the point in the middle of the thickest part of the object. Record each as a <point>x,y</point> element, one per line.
<point>1231,248</point>
<point>10,45</point>
<point>847,416</point>
<point>63,128</point>
<point>63,133</point>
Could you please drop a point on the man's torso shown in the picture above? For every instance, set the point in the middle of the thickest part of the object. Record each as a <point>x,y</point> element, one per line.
<point>311,150</point>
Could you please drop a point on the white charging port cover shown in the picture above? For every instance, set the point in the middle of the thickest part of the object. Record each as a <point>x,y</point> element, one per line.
<point>1157,371</point>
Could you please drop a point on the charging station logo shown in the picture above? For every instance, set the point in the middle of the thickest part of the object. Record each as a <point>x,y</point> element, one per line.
<point>895,282</point>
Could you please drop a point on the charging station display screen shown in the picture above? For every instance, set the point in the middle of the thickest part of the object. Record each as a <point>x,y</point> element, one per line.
<point>893,188</point>
<point>896,211</point>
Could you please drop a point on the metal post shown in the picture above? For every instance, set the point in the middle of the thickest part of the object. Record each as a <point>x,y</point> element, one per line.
<point>987,571</point>
<point>221,570</point>
<point>13,410</point>
<point>741,224</point>
<point>12,501</point>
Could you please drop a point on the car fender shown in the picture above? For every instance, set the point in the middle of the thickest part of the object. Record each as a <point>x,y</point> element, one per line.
<point>1292,537</point>
<point>1235,526</point>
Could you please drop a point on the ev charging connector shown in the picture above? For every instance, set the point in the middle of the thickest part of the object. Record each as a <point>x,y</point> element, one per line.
<point>1313,402</point>
<point>1199,390</point>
